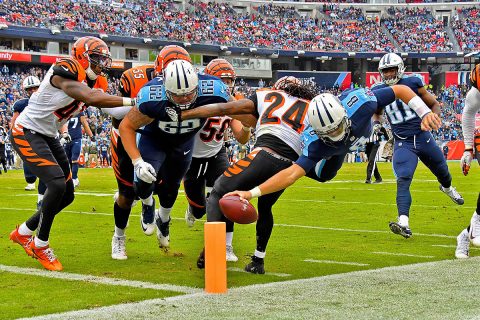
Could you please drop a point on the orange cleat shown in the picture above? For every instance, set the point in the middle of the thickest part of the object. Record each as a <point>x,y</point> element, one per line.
<point>24,241</point>
<point>46,257</point>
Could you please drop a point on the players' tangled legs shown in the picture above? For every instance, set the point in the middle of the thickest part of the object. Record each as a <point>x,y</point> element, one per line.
<point>169,126</point>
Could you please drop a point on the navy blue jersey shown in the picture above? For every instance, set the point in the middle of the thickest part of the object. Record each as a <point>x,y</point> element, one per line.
<point>75,127</point>
<point>360,104</point>
<point>20,105</point>
<point>404,121</point>
<point>152,101</point>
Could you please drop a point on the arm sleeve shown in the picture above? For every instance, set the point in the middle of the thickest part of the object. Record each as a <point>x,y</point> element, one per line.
<point>472,106</point>
<point>118,113</point>
<point>384,96</point>
<point>306,163</point>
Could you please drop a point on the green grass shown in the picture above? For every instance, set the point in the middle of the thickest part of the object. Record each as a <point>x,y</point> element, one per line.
<point>342,210</point>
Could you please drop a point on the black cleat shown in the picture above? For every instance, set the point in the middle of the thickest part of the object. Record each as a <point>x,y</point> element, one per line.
<point>368,181</point>
<point>201,260</point>
<point>398,229</point>
<point>378,181</point>
<point>256,266</point>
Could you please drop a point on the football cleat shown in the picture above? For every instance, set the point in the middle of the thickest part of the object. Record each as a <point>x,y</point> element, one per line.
<point>46,257</point>
<point>76,183</point>
<point>30,187</point>
<point>118,248</point>
<point>404,231</point>
<point>255,266</point>
<point>24,241</point>
<point>231,257</point>
<point>147,219</point>
<point>453,194</point>
<point>368,181</point>
<point>378,181</point>
<point>189,217</point>
<point>201,260</point>
<point>163,232</point>
<point>475,229</point>
<point>463,243</point>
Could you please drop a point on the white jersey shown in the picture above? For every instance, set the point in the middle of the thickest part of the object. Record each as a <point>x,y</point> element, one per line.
<point>282,116</point>
<point>49,108</point>
<point>209,140</point>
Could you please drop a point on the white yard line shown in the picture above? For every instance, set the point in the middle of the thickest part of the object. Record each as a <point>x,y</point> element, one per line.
<point>276,274</point>
<point>453,246</point>
<point>337,262</point>
<point>276,224</point>
<point>365,294</point>
<point>96,279</point>
<point>402,254</point>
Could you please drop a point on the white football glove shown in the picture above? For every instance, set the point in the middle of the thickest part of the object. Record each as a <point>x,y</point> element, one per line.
<point>145,171</point>
<point>466,161</point>
<point>65,138</point>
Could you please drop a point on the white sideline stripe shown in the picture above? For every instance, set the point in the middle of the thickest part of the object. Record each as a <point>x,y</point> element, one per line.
<point>453,246</point>
<point>275,225</point>
<point>402,254</point>
<point>236,297</point>
<point>266,273</point>
<point>96,279</point>
<point>325,187</point>
<point>337,262</point>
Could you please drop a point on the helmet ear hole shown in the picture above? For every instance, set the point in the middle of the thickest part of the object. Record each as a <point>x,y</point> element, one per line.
<point>328,117</point>
<point>181,83</point>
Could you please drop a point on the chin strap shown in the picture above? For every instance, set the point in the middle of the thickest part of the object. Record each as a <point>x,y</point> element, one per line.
<point>90,74</point>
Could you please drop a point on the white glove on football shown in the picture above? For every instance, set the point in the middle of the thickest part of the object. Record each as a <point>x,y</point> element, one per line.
<point>145,171</point>
<point>65,138</point>
<point>466,161</point>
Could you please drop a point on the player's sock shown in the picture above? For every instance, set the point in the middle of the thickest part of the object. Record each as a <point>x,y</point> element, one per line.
<point>24,230</point>
<point>164,213</point>
<point>403,220</point>
<point>259,254</point>
<point>119,232</point>
<point>39,197</point>
<point>74,170</point>
<point>229,239</point>
<point>148,201</point>
<point>40,243</point>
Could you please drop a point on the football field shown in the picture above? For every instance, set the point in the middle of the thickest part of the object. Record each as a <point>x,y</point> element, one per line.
<point>331,256</point>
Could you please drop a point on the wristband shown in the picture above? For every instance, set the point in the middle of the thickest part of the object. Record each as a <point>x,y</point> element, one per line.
<point>137,160</point>
<point>417,105</point>
<point>128,102</point>
<point>256,192</point>
<point>246,129</point>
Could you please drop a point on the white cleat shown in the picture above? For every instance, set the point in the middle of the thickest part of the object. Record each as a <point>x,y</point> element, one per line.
<point>453,194</point>
<point>475,229</point>
<point>231,257</point>
<point>30,187</point>
<point>76,183</point>
<point>463,243</point>
<point>189,217</point>
<point>118,248</point>
<point>163,232</point>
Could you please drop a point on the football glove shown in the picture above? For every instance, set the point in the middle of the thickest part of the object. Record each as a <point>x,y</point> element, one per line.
<point>466,161</point>
<point>92,138</point>
<point>65,138</point>
<point>145,171</point>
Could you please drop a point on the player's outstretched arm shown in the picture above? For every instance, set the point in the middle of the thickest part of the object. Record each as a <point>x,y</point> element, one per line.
<point>280,181</point>
<point>430,120</point>
<point>81,92</point>
<point>430,100</point>
<point>242,106</point>
<point>132,121</point>
<point>240,132</point>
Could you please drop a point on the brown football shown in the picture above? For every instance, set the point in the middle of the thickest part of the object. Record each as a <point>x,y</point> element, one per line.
<point>237,210</point>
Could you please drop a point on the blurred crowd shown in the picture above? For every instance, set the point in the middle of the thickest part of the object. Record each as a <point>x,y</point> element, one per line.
<point>267,25</point>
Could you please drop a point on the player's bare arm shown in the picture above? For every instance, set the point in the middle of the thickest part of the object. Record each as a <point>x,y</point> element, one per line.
<point>132,121</point>
<point>243,106</point>
<point>81,92</point>
<point>280,181</point>
<point>430,120</point>
<point>14,117</point>
<point>85,125</point>
<point>240,132</point>
<point>430,100</point>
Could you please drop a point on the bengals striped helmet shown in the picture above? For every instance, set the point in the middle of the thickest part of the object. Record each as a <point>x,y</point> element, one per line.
<point>223,69</point>
<point>93,55</point>
<point>169,54</point>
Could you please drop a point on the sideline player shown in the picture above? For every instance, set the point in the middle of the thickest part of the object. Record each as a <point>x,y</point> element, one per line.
<point>209,157</point>
<point>336,126</point>
<point>65,91</point>
<point>472,106</point>
<point>165,145</point>
<point>410,142</point>
<point>131,81</point>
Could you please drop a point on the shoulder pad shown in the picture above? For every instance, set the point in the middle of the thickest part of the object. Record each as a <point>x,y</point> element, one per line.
<point>70,69</point>
<point>475,77</point>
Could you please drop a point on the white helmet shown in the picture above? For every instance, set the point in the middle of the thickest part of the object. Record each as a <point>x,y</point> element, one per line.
<point>31,82</point>
<point>391,60</point>
<point>328,117</point>
<point>181,83</point>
